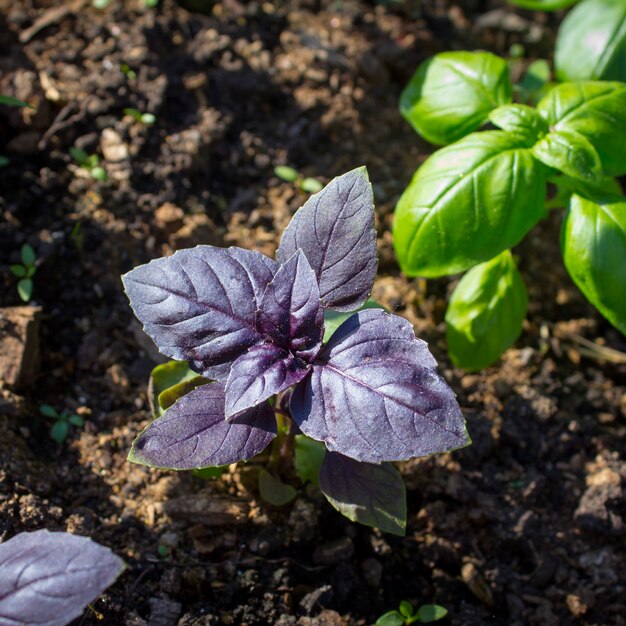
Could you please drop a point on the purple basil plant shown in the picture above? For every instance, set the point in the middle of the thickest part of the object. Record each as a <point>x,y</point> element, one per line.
<point>255,327</point>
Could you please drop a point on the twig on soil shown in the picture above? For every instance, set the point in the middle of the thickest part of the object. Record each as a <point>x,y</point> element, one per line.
<point>60,122</point>
<point>591,349</point>
<point>50,17</point>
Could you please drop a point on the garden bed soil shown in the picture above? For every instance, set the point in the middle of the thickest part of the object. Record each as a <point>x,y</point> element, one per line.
<point>524,527</point>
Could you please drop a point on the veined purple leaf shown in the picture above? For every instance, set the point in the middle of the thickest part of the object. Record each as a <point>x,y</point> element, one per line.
<point>262,372</point>
<point>335,230</point>
<point>373,495</point>
<point>194,433</point>
<point>374,395</point>
<point>290,311</point>
<point>48,578</point>
<point>199,305</point>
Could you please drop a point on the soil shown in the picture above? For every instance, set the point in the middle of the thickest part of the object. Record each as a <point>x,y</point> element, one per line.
<point>525,526</point>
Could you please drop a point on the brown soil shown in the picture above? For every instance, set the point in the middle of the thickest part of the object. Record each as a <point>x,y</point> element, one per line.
<point>526,526</point>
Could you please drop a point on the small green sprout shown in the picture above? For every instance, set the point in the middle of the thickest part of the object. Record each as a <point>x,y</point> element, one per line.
<point>89,162</point>
<point>143,118</point>
<point>25,272</point>
<point>62,421</point>
<point>11,102</point>
<point>290,175</point>
<point>128,71</point>
<point>406,615</point>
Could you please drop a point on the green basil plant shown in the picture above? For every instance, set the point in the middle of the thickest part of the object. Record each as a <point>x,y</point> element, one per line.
<point>473,200</point>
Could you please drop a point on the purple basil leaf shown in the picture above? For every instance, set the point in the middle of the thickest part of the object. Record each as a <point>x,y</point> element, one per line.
<point>262,372</point>
<point>335,230</point>
<point>194,433</point>
<point>373,495</point>
<point>291,312</point>
<point>199,305</point>
<point>374,395</point>
<point>49,578</point>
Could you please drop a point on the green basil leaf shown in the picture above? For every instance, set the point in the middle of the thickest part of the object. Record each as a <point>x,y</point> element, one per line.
<point>571,153</point>
<point>13,102</point>
<point>207,473</point>
<point>18,270</point>
<point>309,457</point>
<point>405,609</point>
<point>391,618</point>
<point>536,81</point>
<point>274,490</point>
<point>451,94</point>
<point>486,313</point>
<point>591,42</point>
<point>467,203</point>
<point>566,186</point>
<point>48,411</point>
<point>168,396</point>
<point>59,431</point>
<point>520,119</point>
<point>28,255</point>
<point>165,376</point>
<point>543,5</point>
<point>593,242</point>
<point>596,110</point>
<point>431,613</point>
<point>25,289</point>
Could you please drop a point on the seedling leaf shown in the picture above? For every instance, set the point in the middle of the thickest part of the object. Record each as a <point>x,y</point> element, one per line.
<point>25,289</point>
<point>48,411</point>
<point>28,255</point>
<point>431,613</point>
<point>18,270</point>
<point>59,431</point>
<point>391,618</point>
<point>309,457</point>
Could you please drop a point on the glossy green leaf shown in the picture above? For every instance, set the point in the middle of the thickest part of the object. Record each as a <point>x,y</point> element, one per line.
<point>593,243</point>
<point>521,120</point>
<point>274,491</point>
<point>165,376</point>
<point>25,289</point>
<point>311,185</point>
<point>18,270</point>
<point>431,613</point>
<point>391,618</point>
<point>28,255</point>
<point>591,42</point>
<point>570,153</point>
<point>99,173</point>
<point>334,319</point>
<point>596,110</point>
<point>486,313</point>
<point>309,457</point>
<point>59,431</point>
<point>451,94</point>
<point>543,5</point>
<point>148,119</point>
<point>467,203</point>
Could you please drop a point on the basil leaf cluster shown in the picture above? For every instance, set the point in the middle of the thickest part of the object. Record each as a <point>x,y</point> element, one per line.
<point>255,327</point>
<point>473,200</point>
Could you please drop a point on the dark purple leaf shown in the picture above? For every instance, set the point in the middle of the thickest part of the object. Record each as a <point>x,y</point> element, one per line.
<point>374,394</point>
<point>370,494</point>
<point>290,311</point>
<point>47,579</point>
<point>194,433</point>
<point>262,372</point>
<point>335,230</point>
<point>199,305</point>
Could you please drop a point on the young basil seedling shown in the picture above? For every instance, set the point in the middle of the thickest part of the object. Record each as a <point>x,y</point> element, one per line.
<point>255,327</point>
<point>25,272</point>
<point>473,200</point>
<point>62,422</point>
<point>406,615</point>
<point>90,163</point>
<point>50,578</point>
<point>290,175</point>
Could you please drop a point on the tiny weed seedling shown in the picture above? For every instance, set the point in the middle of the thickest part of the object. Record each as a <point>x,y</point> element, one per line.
<point>62,422</point>
<point>51,578</point>
<point>89,162</point>
<point>290,175</point>
<point>406,615</point>
<point>143,118</point>
<point>25,272</point>
<point>128,71</point>
<point>291,353</point>
<point>473,200</point>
